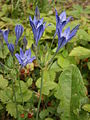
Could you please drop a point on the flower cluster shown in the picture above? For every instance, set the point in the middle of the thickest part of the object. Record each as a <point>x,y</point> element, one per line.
<point>24,59</point>
<point>37,25</point>
<point>38,28</point>
<point>67,35</point>
<point>18,31</point>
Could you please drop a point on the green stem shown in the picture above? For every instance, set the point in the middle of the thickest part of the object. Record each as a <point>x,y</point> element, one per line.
<point>40,96</point>
<point>15,98</point>
<point>20,88</point>
<point>53,40</point>
<point>52,43</point>
<point>21,92</point>
<point>51,60</point>
<point>17,4</point>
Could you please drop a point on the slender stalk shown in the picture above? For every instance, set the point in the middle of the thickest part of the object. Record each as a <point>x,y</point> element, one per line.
<point>51,60</point>
<point>21,91</point>
<point>40,95</point>
<point>15,98</point>
<point>52,42</point>
<point>17,4</point>
<point>20,88</point>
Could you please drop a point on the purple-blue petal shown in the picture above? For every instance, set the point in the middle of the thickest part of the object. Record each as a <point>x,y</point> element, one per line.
<point>61,42</point>
<point>19,58</point>
<point>18,31</point>
<point>28,53</point>
<point>66,33</point>
<point>5,36</point>
<point>73,32</point>
<point>63,16</point>
<point>11,48</point>
<point>40,31</point>
<point>37,13</point>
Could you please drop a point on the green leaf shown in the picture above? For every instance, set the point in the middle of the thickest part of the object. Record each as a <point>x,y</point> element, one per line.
<point>23,85</point>
<point>9,62</point>
<point>26,96</point>
<point>3,82</point>
<point>48,81</point>
<point>86,107</point>
<point>83,35</point>
<point>49,75</point>
<point>11,108</point>
<point>29,82</point>
<point>6,95</point>
<point>47,86</point>
<point>44,114</point>
<point>71,91</point>
<point>4,52</point>
<point>80,52</point>
<point>63,62</point>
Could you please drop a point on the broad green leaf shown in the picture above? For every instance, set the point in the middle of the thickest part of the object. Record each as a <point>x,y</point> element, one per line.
<point>47,86</point>
<point>11,108</point>
<point>6,95</point>
<point>43,114</point>
<point>9,61</point>
<point>23,85</point>
<point>48,81</point>
<point>49,75</point>
<point>63,62</point>
<point>3,82</point>
<point>86,107</point>
<point>25,96</point>
<point>83,35</point>
<point>70,91</point>
<point>80,52</point>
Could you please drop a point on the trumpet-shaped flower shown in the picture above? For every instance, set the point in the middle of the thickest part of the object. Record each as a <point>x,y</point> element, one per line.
<point>5,36</point>
<point>37,25</point>
<point>18,31</point>
<point>11,48</point>
<point>66,36</point>
<point>24,58</point>
<point>61,20</point>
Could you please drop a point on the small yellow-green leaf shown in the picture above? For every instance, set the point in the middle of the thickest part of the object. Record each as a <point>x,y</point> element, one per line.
<point>86,107</point>
<point>80,52</point>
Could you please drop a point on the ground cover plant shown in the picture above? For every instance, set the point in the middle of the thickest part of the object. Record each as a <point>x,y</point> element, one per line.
<point>44,62</point>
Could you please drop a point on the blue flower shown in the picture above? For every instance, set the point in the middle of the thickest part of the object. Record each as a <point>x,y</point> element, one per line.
<point>24,58</point>
<point>18,31</point>
<point>61,20</point>
<point>11,48</point>
<point>5,36</point>
<point>66,36</point>
<point>37,25</point>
